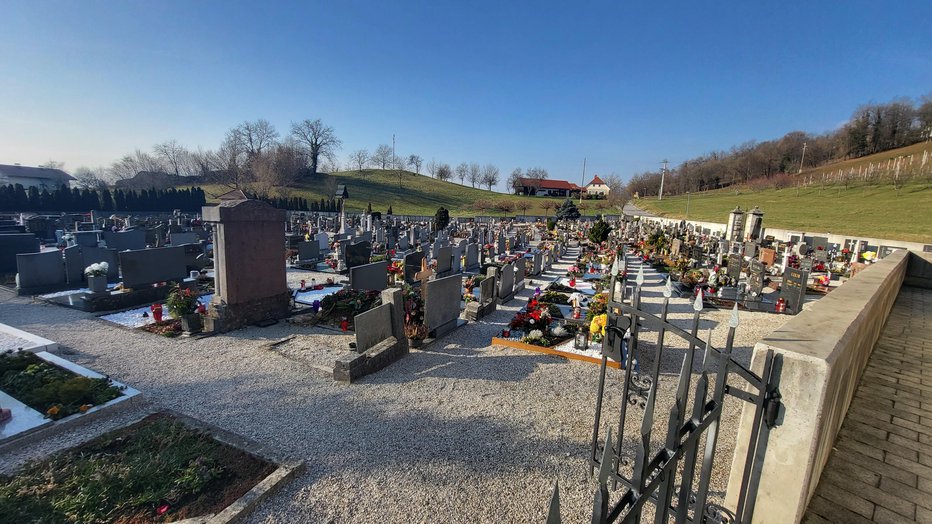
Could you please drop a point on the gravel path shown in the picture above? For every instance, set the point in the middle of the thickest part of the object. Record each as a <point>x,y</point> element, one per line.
<point>458,432</point>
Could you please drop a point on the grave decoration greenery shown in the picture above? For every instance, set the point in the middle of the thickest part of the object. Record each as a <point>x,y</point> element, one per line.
<point>413,305</point>
<point>347,303</point>
<point>597,306</point>
<point>554,297</point>
<point>599,231</point>
<point>181,302</point>
<point>49,389</point>
<point>157,470</point>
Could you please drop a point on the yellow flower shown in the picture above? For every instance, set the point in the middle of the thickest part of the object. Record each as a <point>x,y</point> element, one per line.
<point>84,408</point>
<point>597,326</point>
<point>53,411</point>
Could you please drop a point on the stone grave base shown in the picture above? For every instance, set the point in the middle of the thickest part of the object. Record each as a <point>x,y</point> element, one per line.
<point>474,311</point>
<point>222,317</point>
<point>353,366</point>
<point>444,329</point>
<point>118,300</point>
<point>508,298</point>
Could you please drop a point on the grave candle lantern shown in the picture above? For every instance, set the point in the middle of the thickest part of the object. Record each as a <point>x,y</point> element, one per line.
<point>302,285</point>
<point>156,312</point>
<point>344,324</point>
<point>582,339</point>
<point>315,306</point>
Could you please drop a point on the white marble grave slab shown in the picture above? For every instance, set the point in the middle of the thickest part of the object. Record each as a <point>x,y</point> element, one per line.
<point>24,418</point>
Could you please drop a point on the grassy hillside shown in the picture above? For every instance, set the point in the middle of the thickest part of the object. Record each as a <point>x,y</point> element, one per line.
<point>412,194</point>
<point>869,210</point>
<point>878,163</point>
<point>870,206</point>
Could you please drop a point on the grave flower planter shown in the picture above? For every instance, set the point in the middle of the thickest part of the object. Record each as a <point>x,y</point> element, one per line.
<point>191,322</point>
<point>97,284</point>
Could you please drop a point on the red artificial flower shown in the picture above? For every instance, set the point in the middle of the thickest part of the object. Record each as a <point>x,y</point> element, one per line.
<point>162,509</point>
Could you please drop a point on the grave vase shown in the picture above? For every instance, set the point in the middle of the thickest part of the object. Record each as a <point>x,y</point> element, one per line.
<point>97,284</point>
<point>191,322</point>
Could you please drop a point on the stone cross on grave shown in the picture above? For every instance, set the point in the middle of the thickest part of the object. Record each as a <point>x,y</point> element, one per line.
<point>423,276</point>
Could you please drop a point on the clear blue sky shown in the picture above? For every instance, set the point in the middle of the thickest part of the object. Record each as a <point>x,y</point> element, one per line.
<point>526,84</point>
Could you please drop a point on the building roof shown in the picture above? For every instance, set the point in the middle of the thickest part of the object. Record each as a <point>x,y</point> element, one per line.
<point>596,181</point>
<point>34,172</point>
<point>548,184</point>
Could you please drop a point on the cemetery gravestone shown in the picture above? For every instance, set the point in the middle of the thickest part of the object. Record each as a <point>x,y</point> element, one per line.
<point>506,283</point>
<point>308,251</point>
<point>805,264</point>
<point>444,261</point>
<point>767,256</point>
<point>15,244</point>
<point>472,257</point>
<point>39,272</point>
<point>755,278</point>
<point>369,277</point>
<point>358,254</point>
<point>412,265</point>
<point>248,259</point>
<point>734,266</point>
<point>442,304</point>
<point>145,267</point>
<point>123,240</point>
<point>793,289</point>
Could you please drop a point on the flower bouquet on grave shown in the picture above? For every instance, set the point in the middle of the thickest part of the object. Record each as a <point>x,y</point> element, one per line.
<point>397,270</point>
<point>98,269</point>
<point>597,327</point>
<point>181,302</point>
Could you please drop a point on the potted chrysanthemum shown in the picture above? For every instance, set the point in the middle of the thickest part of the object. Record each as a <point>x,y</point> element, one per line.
<point>96,274</point>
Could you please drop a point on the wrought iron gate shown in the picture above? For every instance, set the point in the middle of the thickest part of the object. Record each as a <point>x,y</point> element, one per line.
<point>653,474</point>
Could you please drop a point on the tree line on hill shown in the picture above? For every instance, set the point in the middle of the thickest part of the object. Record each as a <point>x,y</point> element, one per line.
<point>254,156</point>
<point>873,128</point>
<point>18,198</point>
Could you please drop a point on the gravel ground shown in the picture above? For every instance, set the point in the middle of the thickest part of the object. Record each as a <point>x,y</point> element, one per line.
<point>460,431</point>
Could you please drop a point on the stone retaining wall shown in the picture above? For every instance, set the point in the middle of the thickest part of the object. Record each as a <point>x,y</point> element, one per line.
<point>820,355</point>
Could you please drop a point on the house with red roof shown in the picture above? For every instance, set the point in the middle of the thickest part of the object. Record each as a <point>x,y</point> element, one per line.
<point>597,188</point>
<point>546,187</point>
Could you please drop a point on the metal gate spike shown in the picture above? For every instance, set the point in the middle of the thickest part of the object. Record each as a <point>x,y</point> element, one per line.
<point>697,304</point>
<point>734,321</point>
<point>553,516</point>
<point>605,468</point>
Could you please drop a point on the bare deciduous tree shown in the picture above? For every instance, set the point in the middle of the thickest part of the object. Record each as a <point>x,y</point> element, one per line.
<point>514,180</point>
<point>432,167</point>
<point>175,157</point>
<point>462,171</point>
<point>475,174</point>
<point>444,172</point>
<point>382,157</point>
<point>359,159</point>
<point>317,139</point>
<point>489,175</point>
<point>415,162</point>
<point>254,137</point>
<point>88,178</point>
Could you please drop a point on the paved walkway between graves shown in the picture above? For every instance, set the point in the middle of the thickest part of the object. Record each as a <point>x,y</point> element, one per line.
<point>881,467</point>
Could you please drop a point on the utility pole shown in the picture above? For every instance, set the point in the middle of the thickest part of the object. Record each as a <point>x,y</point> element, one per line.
<point>802,159</point>
<point>663,174</point>
<point>583,179</point>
